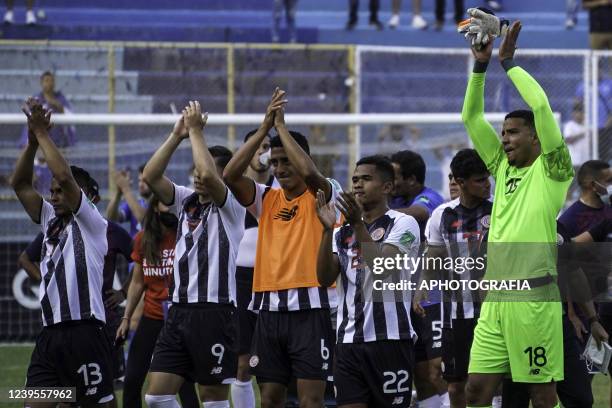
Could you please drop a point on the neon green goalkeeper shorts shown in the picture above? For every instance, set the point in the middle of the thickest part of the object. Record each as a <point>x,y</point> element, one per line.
<point>524,339</point>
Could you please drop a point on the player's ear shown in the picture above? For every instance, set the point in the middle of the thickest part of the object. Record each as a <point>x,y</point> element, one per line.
<point>388,187</point>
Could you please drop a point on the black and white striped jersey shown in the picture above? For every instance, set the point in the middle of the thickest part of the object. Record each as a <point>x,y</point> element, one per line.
<point>207,243</point>
<point>361,316</point>
<point>72,264</point>
<point>461,231</point>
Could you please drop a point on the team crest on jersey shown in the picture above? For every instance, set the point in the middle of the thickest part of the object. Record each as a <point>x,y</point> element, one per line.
<point>407,238</point>
<point>377,234</point>
<point>253,361</point>
<point>486,221</point>
<point>286,214</point>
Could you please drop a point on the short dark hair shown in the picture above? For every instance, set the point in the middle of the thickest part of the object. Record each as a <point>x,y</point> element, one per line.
<point>467,163</point>
<point>297,136</point>
<point>383,166</point>
<point>87,183</point>
<point>46,73</point>
<point>411,164</point>
<point>221,154</point>
<point>524,114</point>
<point>251,133</point>
<point>590,170</point>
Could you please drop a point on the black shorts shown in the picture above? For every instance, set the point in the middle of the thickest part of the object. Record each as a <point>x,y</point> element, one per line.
<point>429,329</point>
<point>246,318</point>
<point>456,345</point>
<point>377,373</point>
<point>73,354</point>
<point>198,343</point>
<point>113,320</point>
<point>296,344</point>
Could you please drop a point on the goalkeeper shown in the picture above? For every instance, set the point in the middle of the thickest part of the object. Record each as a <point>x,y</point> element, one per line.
<point>533,170</point>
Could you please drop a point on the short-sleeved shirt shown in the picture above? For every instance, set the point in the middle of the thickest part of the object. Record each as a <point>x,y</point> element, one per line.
<point>119,243</point>
<point>72,264</point>
<point>285,275</point>
<point>361,319</point>
<point>580,217</point>
<point>461,231</point>
<point>207,242</point>
<point>157,276</point>
<point>428,198</point>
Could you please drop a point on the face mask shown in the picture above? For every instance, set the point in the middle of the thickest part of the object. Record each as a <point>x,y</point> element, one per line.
<point>264,159</point>
<point>168,220</point>
<point>606,196</point>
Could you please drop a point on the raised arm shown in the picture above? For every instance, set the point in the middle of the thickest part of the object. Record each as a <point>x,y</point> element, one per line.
<point>203,160</point>
<point>112,210</point>
<point>328,264</point>
<point>302,162</point>
<point>153,173</point>
<point>21,181</point>
<point>39,121</point>
<point>123,184</point>
<point>233,175</point>
<point>481,132</point>
<point>532,93</point>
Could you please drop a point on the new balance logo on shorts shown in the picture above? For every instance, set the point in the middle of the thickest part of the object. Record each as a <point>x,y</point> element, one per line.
<point>534,371</point>
<point>398,401</point>
<point>216,370</point>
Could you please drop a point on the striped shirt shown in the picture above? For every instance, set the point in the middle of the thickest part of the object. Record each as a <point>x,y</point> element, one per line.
<point>285,276</point>
<point>72,264</point>
<point>362,318</point>
<point>207,242</point>
<point>461,231</point>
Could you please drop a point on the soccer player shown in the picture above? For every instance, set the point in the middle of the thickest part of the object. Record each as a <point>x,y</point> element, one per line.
<point>153,257</point>
<point>71,350</point>
<point>293,335</point>
<point>131,209</point>
<point>197,342</point>
<point>533,170</point>
<point>119,243</point>
<point>412,197</point>
<point>259,170</point>
<point>374,353</point>
<point>453,188</point>
<point>455,231</point>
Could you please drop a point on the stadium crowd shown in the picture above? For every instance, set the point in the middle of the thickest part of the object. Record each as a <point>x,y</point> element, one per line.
<point>263,267</point>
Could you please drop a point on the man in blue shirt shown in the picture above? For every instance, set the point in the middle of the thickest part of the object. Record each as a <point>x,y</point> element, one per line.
<point>412,197</point>
<point>130,209</point>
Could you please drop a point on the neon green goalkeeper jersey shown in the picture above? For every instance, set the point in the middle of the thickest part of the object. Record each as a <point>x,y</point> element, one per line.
<point>527,200</point>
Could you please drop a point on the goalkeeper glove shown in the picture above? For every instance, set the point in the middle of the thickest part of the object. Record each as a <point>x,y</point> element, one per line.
<point>482,26</point>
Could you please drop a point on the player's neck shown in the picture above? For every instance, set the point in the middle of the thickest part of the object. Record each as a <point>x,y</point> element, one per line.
<point>294,192</point>
<point>414,191</point>
<point>372,214</point>
<point>591,200</point>
<point>260,177</point>
<point>470,201</point>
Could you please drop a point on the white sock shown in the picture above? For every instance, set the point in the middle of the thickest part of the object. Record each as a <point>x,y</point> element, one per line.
<point>431,402</point>
<point>444,401</point>
<point>161,401</point>
<point>497,401</point>
<point>242,394</point>
<point>218,404</point>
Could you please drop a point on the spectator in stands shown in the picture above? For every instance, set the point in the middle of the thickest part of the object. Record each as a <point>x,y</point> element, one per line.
<point>353,16</point>
<point>604,112</point>
<point>62,136</point>
<point>131,209</point>
<point>441,9</point>
<point>290,7</point>
<point>9,15</point>
<point>571,14</point>
<point>600,23</point>
<point>574,133</point>
<point>418,21</point>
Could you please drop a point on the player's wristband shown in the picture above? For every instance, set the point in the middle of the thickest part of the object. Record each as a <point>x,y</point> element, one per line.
<point>593,319</point>
<point>480,67</point>
<point>508,64</point>
<point>125,318</point>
